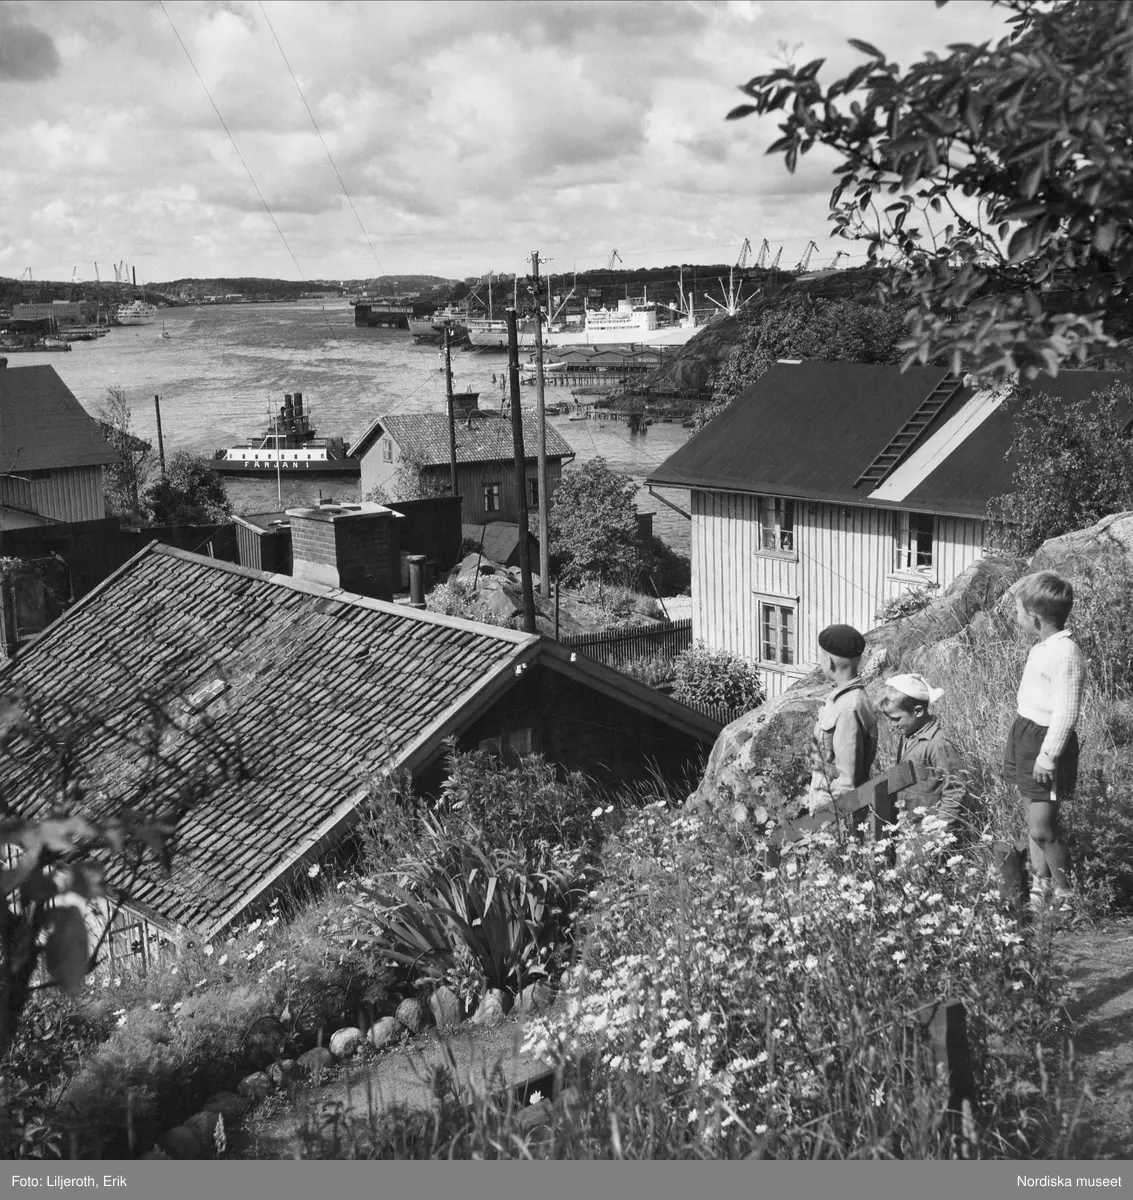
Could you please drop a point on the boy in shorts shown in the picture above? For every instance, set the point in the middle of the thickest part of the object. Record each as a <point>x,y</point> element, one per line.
<point>1042,748</point>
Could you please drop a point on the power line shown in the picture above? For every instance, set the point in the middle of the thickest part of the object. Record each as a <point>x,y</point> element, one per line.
<point>326,149</point>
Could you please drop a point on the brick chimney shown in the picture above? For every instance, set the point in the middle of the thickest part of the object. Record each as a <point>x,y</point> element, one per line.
<point>351,546</point>
<point>465,404</point>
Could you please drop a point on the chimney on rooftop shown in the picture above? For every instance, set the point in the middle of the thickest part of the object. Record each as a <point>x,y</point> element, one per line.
<point>355,547</point>
<point>464,404</point>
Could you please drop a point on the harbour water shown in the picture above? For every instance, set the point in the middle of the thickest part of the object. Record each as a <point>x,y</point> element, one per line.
<point>224,368</point>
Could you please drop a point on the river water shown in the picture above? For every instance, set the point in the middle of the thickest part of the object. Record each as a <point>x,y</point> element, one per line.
<point>223,368</point>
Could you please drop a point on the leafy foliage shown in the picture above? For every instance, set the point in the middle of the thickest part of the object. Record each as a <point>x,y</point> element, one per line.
<point>411,481</point>
<point>60,850</point>
<point>189,493</point>
<point>994,176</point>
<point>717,677</point>
<point>832,331</point>
<point>1073,465</point>
<point>126,480</point>
<point>593,523</point>
<point>910,601</point>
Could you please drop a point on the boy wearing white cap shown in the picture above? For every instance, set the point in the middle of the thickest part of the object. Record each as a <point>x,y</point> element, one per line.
<point>939,788</point>
<point>845,734</point>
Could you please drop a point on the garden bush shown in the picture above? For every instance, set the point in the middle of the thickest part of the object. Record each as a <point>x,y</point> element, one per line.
<point>716,677</point>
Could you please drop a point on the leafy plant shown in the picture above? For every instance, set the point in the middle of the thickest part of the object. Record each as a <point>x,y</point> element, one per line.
<point>993,176</point>
<point>189,492</point>
<point>833,331</point>
<point>1073,465</point>
<point>912,600</point>
<point>593,522</point>
<point>717,677</point>
<point>126,480</point>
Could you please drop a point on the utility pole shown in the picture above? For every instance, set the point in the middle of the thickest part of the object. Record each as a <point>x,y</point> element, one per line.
<point>520,474</point>
<point>160,443</point>
<point>541,419</point>
<point>451,413</point>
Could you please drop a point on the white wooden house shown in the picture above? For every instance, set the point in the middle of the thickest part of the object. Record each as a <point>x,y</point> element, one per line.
<point>52,454</point>
<point>486,476</point>
<point>828,489</point>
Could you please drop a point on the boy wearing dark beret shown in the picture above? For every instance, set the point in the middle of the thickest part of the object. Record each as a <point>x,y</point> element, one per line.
<point>845,734</point>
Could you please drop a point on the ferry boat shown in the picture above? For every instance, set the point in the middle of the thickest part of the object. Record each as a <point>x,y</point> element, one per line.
<point>137,313</point>
<point>628,323</point>
<point>455,320</point>
<point>289,446</point>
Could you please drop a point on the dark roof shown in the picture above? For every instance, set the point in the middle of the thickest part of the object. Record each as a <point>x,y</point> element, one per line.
<point>487,438</point>
<point>498,540</point>
<point>43,426</point>
<point>810,429</point>
<point>323,688</point>
<point>979,468</point>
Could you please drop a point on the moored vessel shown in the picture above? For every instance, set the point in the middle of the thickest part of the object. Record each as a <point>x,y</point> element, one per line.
<point>138,312</point>
<point>290,446</point>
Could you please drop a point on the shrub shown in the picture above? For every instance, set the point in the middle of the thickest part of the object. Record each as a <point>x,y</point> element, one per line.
<point>717,677</point>
<point>457,599</point>
<point>911,600</point>
<point>593,522</point>
<point>655,671</point>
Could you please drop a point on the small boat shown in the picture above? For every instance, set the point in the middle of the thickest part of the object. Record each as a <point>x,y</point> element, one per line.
<point>164,331</point>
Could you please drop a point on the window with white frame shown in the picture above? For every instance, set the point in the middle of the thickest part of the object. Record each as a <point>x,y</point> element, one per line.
<point>776,633</point>
<point>776,524</point>
<point>913,533</point>
<point>387,450</point>
<point>491,497</point>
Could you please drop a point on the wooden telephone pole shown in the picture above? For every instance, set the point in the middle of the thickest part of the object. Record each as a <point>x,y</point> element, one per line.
<point>520,474</point>
<point>451,413</point>
<point>541,419</point>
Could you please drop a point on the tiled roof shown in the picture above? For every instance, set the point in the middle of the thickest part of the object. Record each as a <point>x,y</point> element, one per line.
<point>322,689</point>
<point>487,438</point>
<point>43,426</point>
<point>320,692</point>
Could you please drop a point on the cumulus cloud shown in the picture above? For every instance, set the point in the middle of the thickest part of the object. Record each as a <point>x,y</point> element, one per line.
<point>465,131</point>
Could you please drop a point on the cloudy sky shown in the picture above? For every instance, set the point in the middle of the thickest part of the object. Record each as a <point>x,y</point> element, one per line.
<point>466,132</point>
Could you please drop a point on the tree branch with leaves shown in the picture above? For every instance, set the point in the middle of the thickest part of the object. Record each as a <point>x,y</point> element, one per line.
<point>1023,147</point>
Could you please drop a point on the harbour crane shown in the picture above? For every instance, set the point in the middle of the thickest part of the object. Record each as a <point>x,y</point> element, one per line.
<point>764,251</point>
<point>745,250</point>
<point>615,257</point>
<point>832,265</point>
<point>27,272</point>
<point>804,262</point>
<point>778,255</point>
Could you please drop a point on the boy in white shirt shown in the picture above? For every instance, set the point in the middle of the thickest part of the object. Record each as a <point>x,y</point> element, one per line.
<point>1042,749</point>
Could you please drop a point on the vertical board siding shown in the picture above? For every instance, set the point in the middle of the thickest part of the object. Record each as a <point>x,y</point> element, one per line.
<point>68,494</point>
<point>843,573</point>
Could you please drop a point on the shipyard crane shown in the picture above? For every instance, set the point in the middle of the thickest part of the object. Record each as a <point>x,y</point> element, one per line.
<point>745,250</point>
<point>615,257</point>
<point>804,262</point>
<point>778,255</point>
<point>27,272</point>
<point>764,251</point>
<point>832,265</point>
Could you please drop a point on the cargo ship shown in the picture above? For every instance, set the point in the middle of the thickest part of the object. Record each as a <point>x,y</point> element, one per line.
<point>289,446</point>
<point>628,323</point>
<point>454,320</point>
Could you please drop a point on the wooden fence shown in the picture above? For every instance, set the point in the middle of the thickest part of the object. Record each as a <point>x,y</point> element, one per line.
<point>619,645</point>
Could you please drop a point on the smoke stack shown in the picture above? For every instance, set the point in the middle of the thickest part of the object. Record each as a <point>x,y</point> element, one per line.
<point>134,272</point>
<point>298,404</point>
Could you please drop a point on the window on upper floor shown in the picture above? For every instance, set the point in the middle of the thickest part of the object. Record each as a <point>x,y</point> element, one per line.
<point>913,535</point>
<point>776,524</point>
<point>776,633</point>
<point>387,450</point>
<point>491,497</point>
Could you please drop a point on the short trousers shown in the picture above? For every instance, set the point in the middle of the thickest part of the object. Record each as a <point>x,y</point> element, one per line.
<point>1023,745</point>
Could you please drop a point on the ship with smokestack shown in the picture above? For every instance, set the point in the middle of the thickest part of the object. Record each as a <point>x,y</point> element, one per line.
<point>289,446</point>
